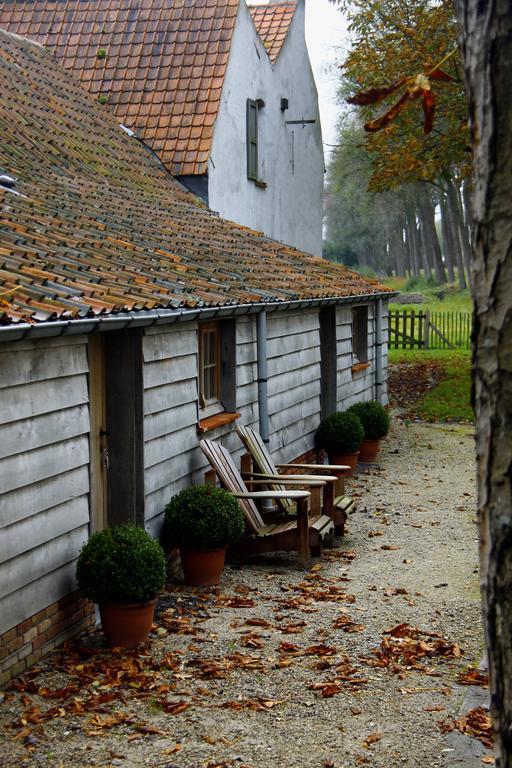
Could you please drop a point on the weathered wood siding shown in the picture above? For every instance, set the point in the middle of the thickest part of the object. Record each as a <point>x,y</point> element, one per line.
<point>294,381</point>
<point>353,386</point>
<point>171,456</point>
<point>44,472</point>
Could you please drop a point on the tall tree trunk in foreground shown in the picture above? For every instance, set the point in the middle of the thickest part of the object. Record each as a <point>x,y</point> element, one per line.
<point>486,29</point>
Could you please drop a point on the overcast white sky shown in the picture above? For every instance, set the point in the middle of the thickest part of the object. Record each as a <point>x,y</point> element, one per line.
<point>326,39</point>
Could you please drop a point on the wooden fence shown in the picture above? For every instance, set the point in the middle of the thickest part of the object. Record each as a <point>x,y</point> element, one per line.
<point>423,329</point>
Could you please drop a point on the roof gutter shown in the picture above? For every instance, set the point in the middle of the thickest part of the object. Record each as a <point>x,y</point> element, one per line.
<point>146,319</point>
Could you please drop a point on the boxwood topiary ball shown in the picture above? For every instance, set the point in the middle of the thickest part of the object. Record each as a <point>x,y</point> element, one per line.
<point>202,517</point>
<point>122,564</point>
<point>340,432</point>
<point>374,418</point>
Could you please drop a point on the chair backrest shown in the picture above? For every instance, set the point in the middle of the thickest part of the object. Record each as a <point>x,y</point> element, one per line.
<point>253,442</point>
<point>228,474</point>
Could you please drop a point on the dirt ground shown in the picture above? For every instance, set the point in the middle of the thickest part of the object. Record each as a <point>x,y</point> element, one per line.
<point>284,668</point>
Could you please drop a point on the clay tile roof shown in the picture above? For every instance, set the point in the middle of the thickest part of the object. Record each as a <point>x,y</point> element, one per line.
<point>150,60</point>
<point>95,226</point>
<point>272,23</point>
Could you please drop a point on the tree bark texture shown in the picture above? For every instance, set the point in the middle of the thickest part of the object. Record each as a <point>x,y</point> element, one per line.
<point>486,32</point>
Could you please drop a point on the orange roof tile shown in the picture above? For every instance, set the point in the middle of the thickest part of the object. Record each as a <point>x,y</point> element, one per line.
<point>96,226</point>
<point>150,60</point>
<point>272,22</point>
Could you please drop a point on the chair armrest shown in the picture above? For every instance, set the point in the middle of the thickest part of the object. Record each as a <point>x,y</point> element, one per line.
<point>317,467</point>
<point>317,482</point>
<point>290,478</point>
<point>306,478</point>
<point>285,480</point>
<point>273,495</point>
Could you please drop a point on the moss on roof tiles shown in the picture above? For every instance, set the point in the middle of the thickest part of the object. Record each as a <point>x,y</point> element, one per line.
<point>98,226</point>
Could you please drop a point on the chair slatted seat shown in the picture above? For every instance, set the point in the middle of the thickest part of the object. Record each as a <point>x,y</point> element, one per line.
<point>304,534</point>
<point>337,507</point>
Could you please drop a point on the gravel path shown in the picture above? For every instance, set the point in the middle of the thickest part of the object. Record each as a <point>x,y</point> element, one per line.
<point>282,668</point>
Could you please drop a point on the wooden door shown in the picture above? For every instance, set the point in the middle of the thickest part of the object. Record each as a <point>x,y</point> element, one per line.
<point>99,457</point>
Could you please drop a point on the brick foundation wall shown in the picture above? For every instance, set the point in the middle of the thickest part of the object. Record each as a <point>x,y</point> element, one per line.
<point>23,645</point>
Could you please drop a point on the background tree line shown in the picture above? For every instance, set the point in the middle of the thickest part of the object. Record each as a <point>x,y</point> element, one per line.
<point>397,200</point>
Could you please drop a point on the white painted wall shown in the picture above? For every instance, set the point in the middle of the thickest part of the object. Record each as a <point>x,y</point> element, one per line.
<point>290,208</point>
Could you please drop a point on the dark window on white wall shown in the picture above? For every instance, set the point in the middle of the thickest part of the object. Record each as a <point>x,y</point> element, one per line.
<point>252,140</point>
<point>360,334</point>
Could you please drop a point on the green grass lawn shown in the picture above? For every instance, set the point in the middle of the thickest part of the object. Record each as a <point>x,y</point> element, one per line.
<point>454,299</point>
<point>449,400</point>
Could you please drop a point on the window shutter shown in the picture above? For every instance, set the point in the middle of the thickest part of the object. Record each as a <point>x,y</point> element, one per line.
<point>252,140</point>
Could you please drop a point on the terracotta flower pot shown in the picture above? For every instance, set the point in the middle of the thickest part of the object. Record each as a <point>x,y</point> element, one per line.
<point>345,458</point>
<point>369,450</point>
<point>203,567</point>
<point>127,625</point>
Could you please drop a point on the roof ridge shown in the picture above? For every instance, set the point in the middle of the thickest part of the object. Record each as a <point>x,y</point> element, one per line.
<point>21,38</point>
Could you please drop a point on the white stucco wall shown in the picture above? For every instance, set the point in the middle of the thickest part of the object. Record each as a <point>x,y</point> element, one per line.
<point>290,208</point>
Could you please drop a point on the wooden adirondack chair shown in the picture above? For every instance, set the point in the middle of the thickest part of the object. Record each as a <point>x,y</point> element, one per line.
<point>302,534</point>
<point>336,504</point>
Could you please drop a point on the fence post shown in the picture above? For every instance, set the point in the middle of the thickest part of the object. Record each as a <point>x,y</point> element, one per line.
<point>426,332</point>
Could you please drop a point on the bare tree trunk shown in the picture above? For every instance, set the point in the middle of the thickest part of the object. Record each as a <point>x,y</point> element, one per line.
<point>487,46</point>
<point>453,214</point>
<point>448,245</point>
<point>399,245</point>
<point>412,240</point>
<point>466,200</point>
<point>429,227</point>
<point>463,230</point>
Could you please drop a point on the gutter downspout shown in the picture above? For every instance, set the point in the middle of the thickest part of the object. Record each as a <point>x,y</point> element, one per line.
<point>378,351</point>
<point>261,340</point>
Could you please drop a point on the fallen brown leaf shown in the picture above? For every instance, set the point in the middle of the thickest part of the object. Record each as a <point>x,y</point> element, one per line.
<point>372,738</point>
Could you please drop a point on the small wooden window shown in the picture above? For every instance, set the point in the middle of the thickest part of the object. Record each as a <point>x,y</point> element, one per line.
<point>209,364</point>
<point>252,140</point>
<point>360,334</point>
<point>217,374</point>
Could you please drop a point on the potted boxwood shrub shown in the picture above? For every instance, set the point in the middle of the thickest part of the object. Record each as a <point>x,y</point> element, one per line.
<point>202,520</point>
<point>375,420</point>
<point>122,569</point>
<point>340,434</point>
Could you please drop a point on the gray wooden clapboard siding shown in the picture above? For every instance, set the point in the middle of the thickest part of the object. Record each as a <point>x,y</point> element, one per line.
<point>22,402</point>
<point>39,497</point>
<point>294,381</point>
<point>44,472</point>
<point>39,528</point>
<point>43,430</point>
<point>26,601</point>
<point>352,387</point>
<point>172,458</point>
